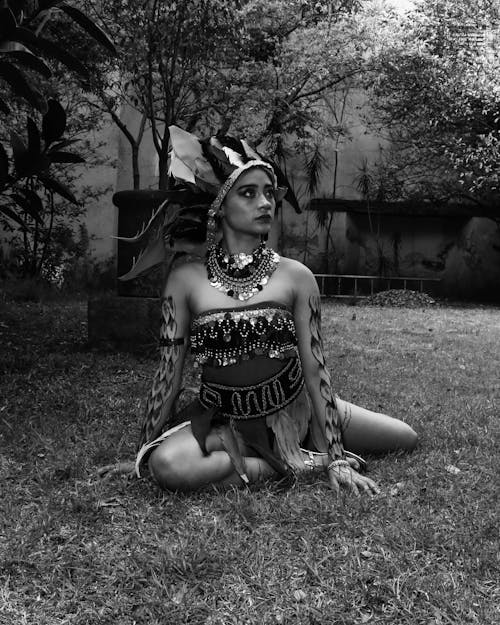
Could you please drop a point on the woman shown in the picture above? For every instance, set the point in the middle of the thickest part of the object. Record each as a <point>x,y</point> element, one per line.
<point>266,406</point>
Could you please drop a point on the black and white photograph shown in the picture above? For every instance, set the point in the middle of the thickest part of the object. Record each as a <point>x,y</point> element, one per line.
<point>249,312</point>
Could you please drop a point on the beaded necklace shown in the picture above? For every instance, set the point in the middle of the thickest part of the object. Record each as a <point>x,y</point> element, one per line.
<point>240,275</point>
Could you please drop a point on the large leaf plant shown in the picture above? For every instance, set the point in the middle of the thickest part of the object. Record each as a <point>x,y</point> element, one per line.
<point>26,172</point>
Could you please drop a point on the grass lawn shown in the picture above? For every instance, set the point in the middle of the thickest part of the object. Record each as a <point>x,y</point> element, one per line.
<point>75,549</point>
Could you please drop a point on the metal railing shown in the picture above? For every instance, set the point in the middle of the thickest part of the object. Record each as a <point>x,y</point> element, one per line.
<point>364,286</point>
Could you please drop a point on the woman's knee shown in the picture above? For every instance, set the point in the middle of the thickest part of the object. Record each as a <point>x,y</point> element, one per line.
<point>399,436</point>
<point>167,468</point>
<point>409,438</point>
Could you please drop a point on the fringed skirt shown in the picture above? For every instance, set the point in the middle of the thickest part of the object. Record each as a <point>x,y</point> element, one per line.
<point>269,420</point>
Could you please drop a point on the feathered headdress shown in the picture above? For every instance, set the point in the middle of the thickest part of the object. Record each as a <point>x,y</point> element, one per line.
<point>203,172</point>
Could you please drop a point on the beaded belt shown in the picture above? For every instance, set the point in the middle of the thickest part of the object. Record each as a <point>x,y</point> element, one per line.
<point>258,400</point>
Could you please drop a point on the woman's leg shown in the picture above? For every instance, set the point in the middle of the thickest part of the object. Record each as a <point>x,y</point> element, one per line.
<point>179,464</point>
<point>367,431</point>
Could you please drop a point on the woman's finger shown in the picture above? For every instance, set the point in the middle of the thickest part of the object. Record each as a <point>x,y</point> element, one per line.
<point>343,477</point>
<point>372,485</point>
<point>334,485</point>
<point>348,478</point>
<point>369,485</point>
<point>353,487</point>
<point>353,463</point>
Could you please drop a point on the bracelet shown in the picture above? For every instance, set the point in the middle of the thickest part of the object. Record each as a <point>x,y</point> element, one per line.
<point>164,342</point>
<point>337,463</point>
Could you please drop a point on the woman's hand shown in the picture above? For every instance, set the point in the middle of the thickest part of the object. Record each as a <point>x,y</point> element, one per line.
<point>118,468</point>
<point>344,476</point>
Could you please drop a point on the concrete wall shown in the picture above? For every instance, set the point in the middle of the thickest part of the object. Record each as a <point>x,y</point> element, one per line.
<point>101,217</point>
<point>300,235</point>
<point>463,253</point>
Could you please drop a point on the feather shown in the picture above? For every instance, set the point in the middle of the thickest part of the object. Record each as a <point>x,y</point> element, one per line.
<point>154,254</point>
<point>207,187</point>
<point>179,170</point>
<point>218,159</point>
<point>249,151</point>
<point>145,226</point>
<point>280,194</point>
<point>187,148</point>
<point>233,144</point>
<point>234,157</point>
<point>290,427</point>
<point>283,183</point>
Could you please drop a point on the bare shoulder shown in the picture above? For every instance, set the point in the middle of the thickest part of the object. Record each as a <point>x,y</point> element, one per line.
<point>185,276</point>
<point>301,275</point>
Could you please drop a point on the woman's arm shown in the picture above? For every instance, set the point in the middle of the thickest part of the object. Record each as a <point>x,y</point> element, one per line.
<point>174,339</point>
<point>307,317</point>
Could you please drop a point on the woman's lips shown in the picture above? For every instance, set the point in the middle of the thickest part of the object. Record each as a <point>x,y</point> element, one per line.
<point>264,218</point>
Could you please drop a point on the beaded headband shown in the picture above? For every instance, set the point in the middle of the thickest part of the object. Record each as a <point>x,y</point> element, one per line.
<point>226,187</point>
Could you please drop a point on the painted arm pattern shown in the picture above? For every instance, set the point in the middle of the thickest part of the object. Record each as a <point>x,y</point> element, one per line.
<point>333,431</point>
<point>157,408</point>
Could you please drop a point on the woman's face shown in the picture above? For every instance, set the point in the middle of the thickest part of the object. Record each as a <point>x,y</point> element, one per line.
<point>250,204</point>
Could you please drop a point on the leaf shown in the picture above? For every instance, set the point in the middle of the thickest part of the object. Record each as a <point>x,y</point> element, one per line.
<point>65,157</point>
<point>30,60</point>
<point>14,216</point>
<point>89,26</point>
<point>33,139</point>
<point>299,595</point>
<point>4,166</point>
<point>63,144</point>
<point>20,153</point>
<point>51,49</point>
<point>30,205</point>
<point>57,187</point>
<point>21,87</point>
<point>34,199</point>
<point>314,166</point>
<point>8,23</point>
<point>53,122</point>
<point>48,4</point>
<point>3,107</point>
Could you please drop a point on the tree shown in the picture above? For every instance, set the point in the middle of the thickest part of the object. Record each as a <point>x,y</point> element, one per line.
<point>437,97</point>
<point>248,67</point>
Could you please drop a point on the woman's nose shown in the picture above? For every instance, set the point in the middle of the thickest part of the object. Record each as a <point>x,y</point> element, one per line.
<point>265,201</point>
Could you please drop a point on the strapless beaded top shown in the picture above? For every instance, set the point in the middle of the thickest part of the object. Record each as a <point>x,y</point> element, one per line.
<point>227,336</point>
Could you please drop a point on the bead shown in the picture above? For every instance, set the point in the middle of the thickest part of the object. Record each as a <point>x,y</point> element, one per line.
<point>240,274</point>
<point>338,463</point>
<point>257,332</point>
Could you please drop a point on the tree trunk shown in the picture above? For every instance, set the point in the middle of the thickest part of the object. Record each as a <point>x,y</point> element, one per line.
<point>136,176</point>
